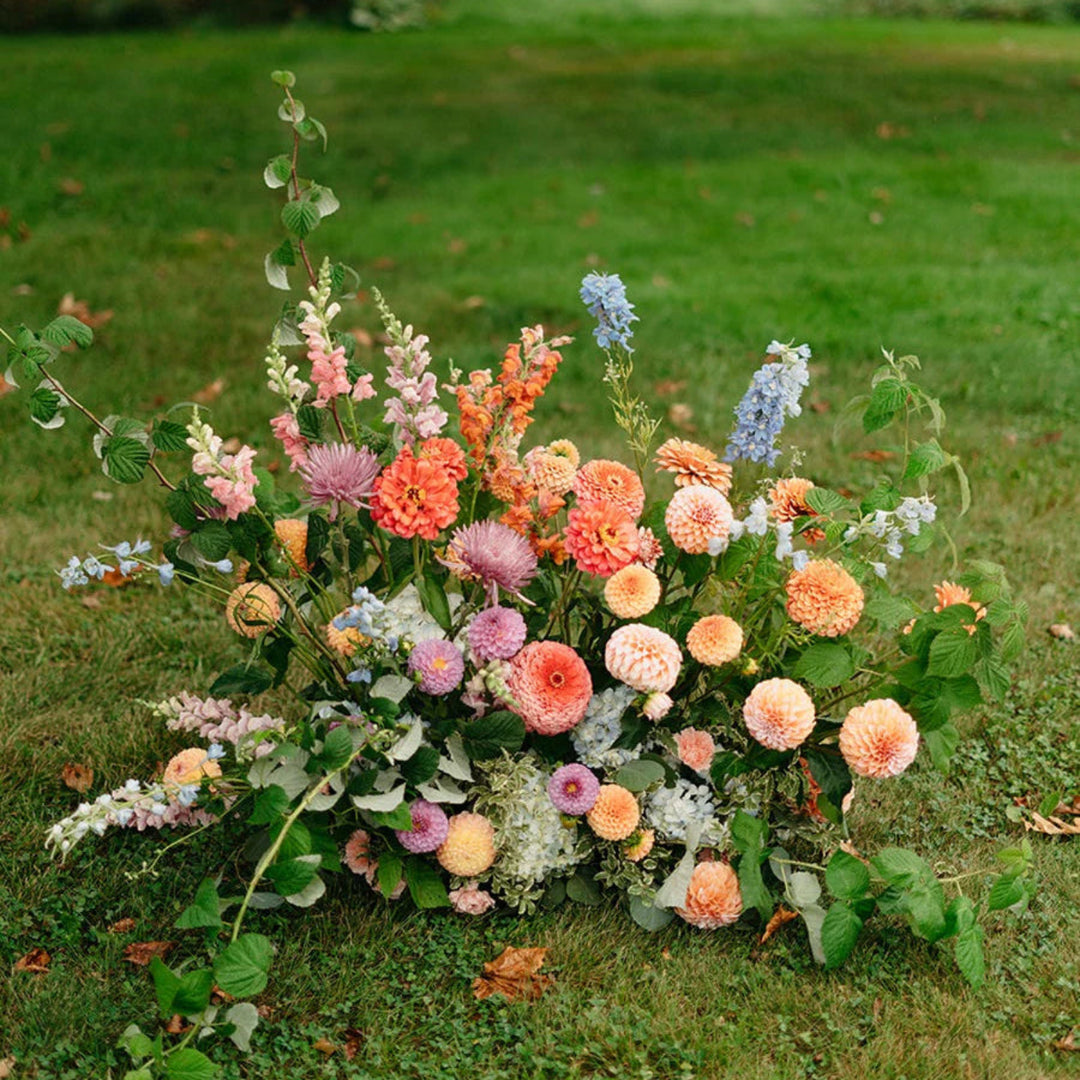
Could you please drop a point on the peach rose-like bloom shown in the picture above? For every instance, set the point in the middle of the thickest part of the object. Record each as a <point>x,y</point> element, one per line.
<point>292,535</point>
<point>788,500</point>
<point>469,847</point>
<point>549,472</point>
<point>470,899</point>
<point>632,591</point>
<point>601,538</point>
<point>696,748</point>
<point>414,497</point>
<point>824,598</point>
<point>615,814</point>
<point>551,687</point>
<point>715,640</point>
<point>713,898</point>
<point>779,714</point>
<point>656,706</point>
<point>643,657</point>
<point>948,594</point>
<point>601,480</point>
<point>641,847</point>
<point>252,608</point>
<point>188,767</point>
<point>879,739</point>
<point>697,515</point>
<point>693,464</point>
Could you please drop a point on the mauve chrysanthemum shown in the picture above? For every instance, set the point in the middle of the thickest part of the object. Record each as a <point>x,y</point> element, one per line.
<point>573,789</point>
<point>497,633</point>
<point>439,664</point>
<point>338,474</point>
<point>494,554</point>
<point>429,828</point>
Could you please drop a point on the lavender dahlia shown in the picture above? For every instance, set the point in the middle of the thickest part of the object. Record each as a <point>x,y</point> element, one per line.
<point>497,633</point>
<point>439,664</point>
<point>573,789</point>
<point>429,828</point>
<point>339,474</point>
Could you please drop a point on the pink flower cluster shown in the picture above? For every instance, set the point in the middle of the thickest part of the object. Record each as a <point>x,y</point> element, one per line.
<point>287,432</point>
<point>229,478</point>
<point>414,410</point>
<point>216,720</point>
<point>328,364</point>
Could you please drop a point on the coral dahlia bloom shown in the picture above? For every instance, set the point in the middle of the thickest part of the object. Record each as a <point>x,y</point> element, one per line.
<point>339,475</point>
<point>779,714</point>
<point>824,598</point>
<point>697,515</point>
<point>715,640</point>
<point>601,480</point>
<point>948,594</point>
<point>713,898</point>
<point>469,847</point>
<point>447,454</point>
<point>615,814</point>
<point>693,464</point>
<point>632,591</point>
<point>414,497</point>
<point>292,535</point>
<point>189,767</point>
<point>788,501</point>
<point>573,789</point>
<point>252,608</point>
<point>643,657</point>
<point>551,687</point>
<point>492,553</point>
<point>430,826</point>
<point>439,664</point>
<point>601,538</point>
<point>696,748</point>
<point>879,739</point>
<point>641,847</point>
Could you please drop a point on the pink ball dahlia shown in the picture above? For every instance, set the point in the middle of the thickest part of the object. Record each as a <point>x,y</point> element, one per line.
<point>439,664</point>
<point>429,827</point>
<point>696,748</point>
<point>696,515</point>
<point>573,789</point>
<point>779,714</point>
<point>643,657</point>
<point>497,633</point>
<point>551,687</point>
<point>879,739</point>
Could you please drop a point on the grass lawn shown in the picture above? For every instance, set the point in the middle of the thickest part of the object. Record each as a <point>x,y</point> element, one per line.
<point>855,184</point>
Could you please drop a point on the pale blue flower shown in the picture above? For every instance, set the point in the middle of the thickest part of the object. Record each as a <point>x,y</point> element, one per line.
<point>605,297</point>
<point>73,574</point>
<point>800,560</point>
<point>773,396</point>
<point>784,548</point>
<point>215,752</point>
<point>880,569</point>
<point>166,573</point>
<point>223,566</point>
<point>188,794</point>
<point>94,568</point>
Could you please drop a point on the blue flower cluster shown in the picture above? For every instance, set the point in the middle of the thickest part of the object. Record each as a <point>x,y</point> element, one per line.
<point>605,297</point>
<point>367,614</point>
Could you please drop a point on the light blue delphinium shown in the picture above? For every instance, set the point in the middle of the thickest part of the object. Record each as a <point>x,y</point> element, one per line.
<point>605,297</point>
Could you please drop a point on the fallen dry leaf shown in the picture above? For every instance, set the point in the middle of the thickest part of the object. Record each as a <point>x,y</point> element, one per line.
<point>1047,439</point>
<point>36,962</point>
<point>780,916</point>
<point>887,130</point>
<point>5,386</point>
<point>354,1039</point>
<point>92,602</point>
<point>210,392</point>
<point>80,310</point>
<point>266,1012</point>
<point>514,974</point>
<point>219,996</point>
<point>588,219</point>
<point>70,186</point>
<point>1051,826</point>
<point>1063,631</point>
<point>457,245</point>
<point>324,1046</point>
<point>77,777</point>
<point>747,221</point>
<point>142,952</point>
<point>682,416</point>
<point>873,455</point>
<point>669,386</point>
<point>851,849</point>
<point>473,303</point>
<point>122,926</point>
<point>176,1025</point>
<point>1068,1043</point>
<point>882,194</point>
<point>7,1067</point>
<point>816,404</point>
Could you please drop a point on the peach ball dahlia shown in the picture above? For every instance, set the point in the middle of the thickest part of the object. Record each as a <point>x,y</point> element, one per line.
<point>779,714</point>
<point>879,739</point>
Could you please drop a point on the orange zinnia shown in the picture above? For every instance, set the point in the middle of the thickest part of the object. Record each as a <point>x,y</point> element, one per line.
<point>601,538</point>
<point>611,482</point>
<point>414,497</point>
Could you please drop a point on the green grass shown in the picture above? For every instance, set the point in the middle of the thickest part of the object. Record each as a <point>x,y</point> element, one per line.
<point>734,172</point>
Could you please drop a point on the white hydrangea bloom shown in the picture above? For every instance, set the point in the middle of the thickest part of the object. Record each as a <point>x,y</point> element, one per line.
<point>599,728</point>
<point>671,809</point>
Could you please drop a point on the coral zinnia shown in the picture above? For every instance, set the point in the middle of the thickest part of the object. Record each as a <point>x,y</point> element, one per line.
<point>948,594</point>
<point>339,475</point>
<point>643,657</point>
<point>788,500</point>
<point>414,497</point>
<point>601,480</point>
<point>430,826</point>
<point>697,515</point>
<point>715,640</point>
<point>550,685</point>
<point>615,814</point>
<point>824,598</point>
<point>573,789</point>
<point>693,464</point>
<point>189,767</point>
<point>632,591</point>
<point>497,633</point>
<point>469,847</point>
<point>601,538</point>
<point>493,554</point>
<point>252,608</point>
<point>447,454</point>
<point>439,664</point>
<point>292,534</point>
<point>713,898</point>
<point>879,739</point>
<point>779,714</point>
<point>696,748</point>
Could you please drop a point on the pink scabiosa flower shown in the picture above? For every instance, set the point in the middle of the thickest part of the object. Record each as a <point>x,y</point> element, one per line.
<point>643,657</point>
<point>573,789</point>
<point>439,664</point>
<point>339,475</point>
<point>287,431</point>
<point>470,899</point>
<point>550,686</point>
<point>696,748</point>
<point>697,515</point>
<point>492,553</point>
<point>497,633</point>
<point>779,714</point>
<point>879,739</point>
<point>429,828</point>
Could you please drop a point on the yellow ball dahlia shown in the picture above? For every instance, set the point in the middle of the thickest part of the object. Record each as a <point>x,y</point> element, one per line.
<point>632,591</point>
<point>469,847</point>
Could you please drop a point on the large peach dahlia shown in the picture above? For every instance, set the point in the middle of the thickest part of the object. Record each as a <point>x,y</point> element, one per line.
<point>879,739</point>
<point>713,898</point>
<point>824,598</point>
<point>779,714</point>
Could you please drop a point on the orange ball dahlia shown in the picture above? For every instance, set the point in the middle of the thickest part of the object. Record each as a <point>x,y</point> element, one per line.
<point>615,814</point>
<point>693,464</point>
<point>713,898</point>
<point>469,847</point>
<point>550,472</point>
<point>414,497</point>
<point>188,767</point>
<point>824,598</point>
<point>252,608</point>
<point>879,739</point>
<point>292,534</point>
<point>779,714</point>
<point>550,685</point>
<point>715,640</point>
<point>643,657</point>
<point>697,515</point>
<point>641,847</point>
<point>611,482</point>
<point>601,538</point>
<point>632,591</point>
<point>347,641</point>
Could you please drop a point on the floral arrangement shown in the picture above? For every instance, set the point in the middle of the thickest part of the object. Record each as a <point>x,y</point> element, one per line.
<point>508,673</point>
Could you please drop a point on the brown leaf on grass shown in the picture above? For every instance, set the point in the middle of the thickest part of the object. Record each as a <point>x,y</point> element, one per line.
<point>142,952</point>
<point>176,1025</point>
<point>209,393</point>
<point>5,217</point>
<point>588,219</point>
<point>23,232</point>
<point>5,386</point>
<point>354,1039</point>
<point>888,130</point>
<point>266,1012</point>
<point>746,220</point>
<point>1068,1043</point>
<point>324,1046</point>
<point>1063,631</point>
<point>77,777</point>
<point>70,186</point>
<point>669,386</point>
<point>682,416</point>
<point>1047,439</point>
<point>514,973</point>
<point>474,303</point>
<point>36,962</point>
<point>1051,826</point>
<point>80,310</point>
<point>851,849</point>
<point>457,246</point>
<point>873,455</point>
<point>817,405</point>
<point>92,602</point>
<point>7,1067</point>
<point>122,926</point>
<point>780,916</point>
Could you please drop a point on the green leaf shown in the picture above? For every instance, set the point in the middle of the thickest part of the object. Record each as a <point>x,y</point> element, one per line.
<point>168,436</point>
<point>212,541</point>
<point>244,1018</point>
<point>166,983</point>
<point>318,536</point>
<point>890,611</point>
<point>748,832</point>
<point>283,77</point>
<point>241,969</point>
<point>926,458</point>
<point>942,743</point>
<point>1006,891</point>
<point>1012,642</point>
<point>241,679</point>
<point>825,665</point>
<point>433,597</point>
<point>952,653</point>
<point>426,885</point>
<point>300,217</point>
<point>846,877</point>
<point>270,804</point>
<point>389,872</point>
<point>825,502</point>
<point>839,932</point>
<point>337,749</point>
<point>831,773</point>
<point>639,775</point>
<point>422,766</point>
<point>193,993</point>
<point>886,400</point>
<point>293,876</point>
<point>189,1064</point>
<point>488,736</point>
<point>900,867</point>
<point>65,329</point>
<point>969,955</point>
<point>44,404</point>
<point>583,889</point>
<point>137,1045</point>
<point>181,508</point>
<point>276,275</point>
<point>648,917</point>
<point>993,677</point>
<point>205,910</point>
<point>278,171</point>
<point>124,459</point>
